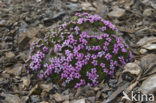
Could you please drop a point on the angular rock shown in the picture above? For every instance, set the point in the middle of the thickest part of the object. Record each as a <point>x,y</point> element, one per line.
<point>150,46</point>
<point>10,55</point>
<point>146,40</point>
<point>147,12</point>
<point>74,1</point>
<point>132,68</point>
<point>26,80</point>
<point>149,85</point>
<point>79,101</point>
<point>43,102</point>
<point>16,70</point>
<point>12,98</point>
<point>46,87</point>
<point>147,60</point>
<point>143,51</point>
<point>117,12</point>
<point>25,37</point>
<point>87,6</point>
<point>60,98</point>
<point>35,99</point>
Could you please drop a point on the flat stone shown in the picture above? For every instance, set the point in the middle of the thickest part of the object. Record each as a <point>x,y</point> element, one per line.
<point>143,51</point>
<point>87,6</point>
<point>16,70</point>
<point>132,68</point>
<point>117,12</point>
<point>12,98</point>
<point>79,101</point>
<point>60,98</point>
<point>74,1</point>
<point>147,60</point>
<point>35,99</point>
<point>26,80</point>
<point>149,85</point>
<point>46,87</point>
<point>10,55</point>
<point>147,12</point>
<point>146,40</point>
<point>150,46</point>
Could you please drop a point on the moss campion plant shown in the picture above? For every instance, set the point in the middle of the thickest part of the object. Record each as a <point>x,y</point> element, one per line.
<point>81,52</point>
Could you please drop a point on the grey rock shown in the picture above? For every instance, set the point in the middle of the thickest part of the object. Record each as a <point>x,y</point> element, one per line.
<point>147,60</point>
<point>87,6</point>
<point>146,40</point>
<point>35,99</point>
<point>26,80</point>
<point>2,22</point>
<point>91,99</point>
<point>12,98</point>
<point>132,68</point>
<point>46,87</point>
<point>147,12</point>
<point>117,12</point>
<point>60,98</point>
<point>143,51</point>
<point>10,55</point>
<point>149,85</point>
<point>79,101</point>
<point>16,70</point>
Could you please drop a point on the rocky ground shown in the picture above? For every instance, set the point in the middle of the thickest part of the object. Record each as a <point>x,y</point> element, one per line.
<point>23,21</point>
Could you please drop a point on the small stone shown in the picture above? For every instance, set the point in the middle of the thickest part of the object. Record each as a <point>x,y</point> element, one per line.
<point>26,81</point>
<point>12,98</point>
<point>150,46</point>
<point>147,60</point>
<point>35,99</point>
<point>43,102</point>
<point>87,6</point>
<point>91,99</point>
<point>25,37</point>
<point>147,12</point>
<point>60,98</point>
<point>74,1</point>
<point>46,87</point>
<point>80,101</point>
<point>149,85</point>
<point>117,12</point>
<point>146,40</point>
<point>132,68</point>
<point>10,55</point>
<point>2,22</point>
<point>143,51</point>
<point>23,40</point>
<point>16,70</point>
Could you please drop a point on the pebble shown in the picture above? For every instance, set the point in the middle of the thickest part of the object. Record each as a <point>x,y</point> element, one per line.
<point>117,12</point>
<point>149,85</point>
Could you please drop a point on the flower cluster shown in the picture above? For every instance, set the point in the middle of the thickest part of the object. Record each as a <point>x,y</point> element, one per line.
<point>81,52</point>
